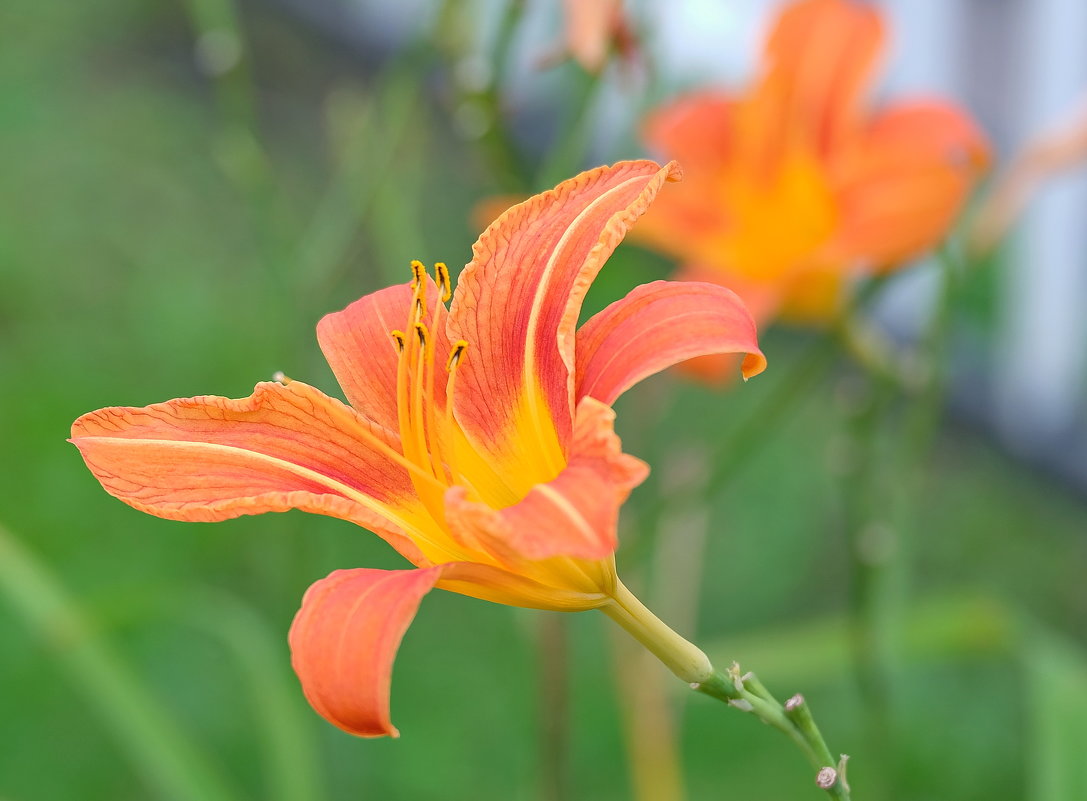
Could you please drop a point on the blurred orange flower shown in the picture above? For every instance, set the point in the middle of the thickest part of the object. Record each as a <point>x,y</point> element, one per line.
<point>478,443</point>
<point>796,184</point>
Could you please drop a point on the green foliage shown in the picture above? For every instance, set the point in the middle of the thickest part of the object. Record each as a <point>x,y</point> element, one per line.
<point>150,250</point>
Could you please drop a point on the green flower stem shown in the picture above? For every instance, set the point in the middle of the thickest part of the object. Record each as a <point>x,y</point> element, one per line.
<point>746,438</point>
<point>737,689</point>
<point>683,658</point>
<point>868,488</point>
<point>454,32</point>
<point>793,718</point>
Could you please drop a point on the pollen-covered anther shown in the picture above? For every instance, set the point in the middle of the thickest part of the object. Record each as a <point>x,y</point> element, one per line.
<point>418,273</point>
<point>445,286</point>
<point>456,353</point>
<point>399,339</point>
<point>422,333</point>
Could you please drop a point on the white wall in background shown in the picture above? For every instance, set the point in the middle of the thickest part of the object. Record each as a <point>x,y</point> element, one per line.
<point>1040,378</point>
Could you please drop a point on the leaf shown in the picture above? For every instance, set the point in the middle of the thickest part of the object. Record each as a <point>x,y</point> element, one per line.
<point>1056,700</point>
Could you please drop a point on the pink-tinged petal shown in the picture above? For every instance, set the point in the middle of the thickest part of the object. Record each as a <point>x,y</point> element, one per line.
<point>591,25</point>
<point>822,53</point>
<point>518,301</point>
<point>358,346</point>
<point>344,640</point>
<point>901,188</point>
<point>284,447</point>
<point>656,326</point>
<point>574,515</point>
<point>1048,153</point>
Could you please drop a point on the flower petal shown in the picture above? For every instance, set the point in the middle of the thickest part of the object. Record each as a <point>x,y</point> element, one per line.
<point>822,54</point>
<point>574,515</point>
<point>344,640</point>
<point>284,447</point>
<point>696,128</point>
<point>902,186</point>
<point>518,301</point>
<point>501,586</point>
<point>590,26</point>
<point>358,346</point>
<point>656,326</point>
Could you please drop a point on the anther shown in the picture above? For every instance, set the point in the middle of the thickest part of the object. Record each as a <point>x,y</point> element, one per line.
<point>399,339</point>
<point>421,332</point>
<point>456,354</point>
<point>281,377</point>
<point>418,273</point>
<point>444,285</point>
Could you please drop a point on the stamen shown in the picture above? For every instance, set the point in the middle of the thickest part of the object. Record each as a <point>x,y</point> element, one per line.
<point>445,288</point>
<point>419,282</point>
<point>450,426</point>
<point>455,355</point>
<point>282,378</point>
<point>419,396</point>
<point>418,274</point>
<point>403,407</point>
<point>445,292</point>
<point>433,436</point>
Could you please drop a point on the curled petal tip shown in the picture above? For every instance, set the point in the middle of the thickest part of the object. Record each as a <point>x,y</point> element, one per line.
<point>753,364</point>
<point>675,171</point>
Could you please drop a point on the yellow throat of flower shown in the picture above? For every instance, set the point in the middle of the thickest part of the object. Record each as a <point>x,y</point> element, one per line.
<point>438,455</point>
<point>779,219</point>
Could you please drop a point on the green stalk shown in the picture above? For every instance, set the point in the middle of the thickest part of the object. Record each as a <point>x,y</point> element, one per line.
<point>876,561</point>
<point>871,552</point>
<point>282,727</point>
<point>793,718</point>
<point>740,690</point>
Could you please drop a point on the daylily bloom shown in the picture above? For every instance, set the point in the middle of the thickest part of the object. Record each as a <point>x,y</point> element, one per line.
<point>795,185</point>
<point>478,443</point>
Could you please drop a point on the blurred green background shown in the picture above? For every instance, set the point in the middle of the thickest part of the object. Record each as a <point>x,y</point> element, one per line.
<point>154,245</point>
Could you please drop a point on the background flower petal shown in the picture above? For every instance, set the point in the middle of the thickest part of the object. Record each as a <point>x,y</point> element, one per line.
<point>344,640</point>
<point>284,447</point>
<point>518,301</point>
<point>903,184</point>
<point>822,54</point>
<point>656,326</point>
<point>699,131</point>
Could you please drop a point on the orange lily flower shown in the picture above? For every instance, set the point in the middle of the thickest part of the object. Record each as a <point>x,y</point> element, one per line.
<point>795,185</point>
<point>478,443</point>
